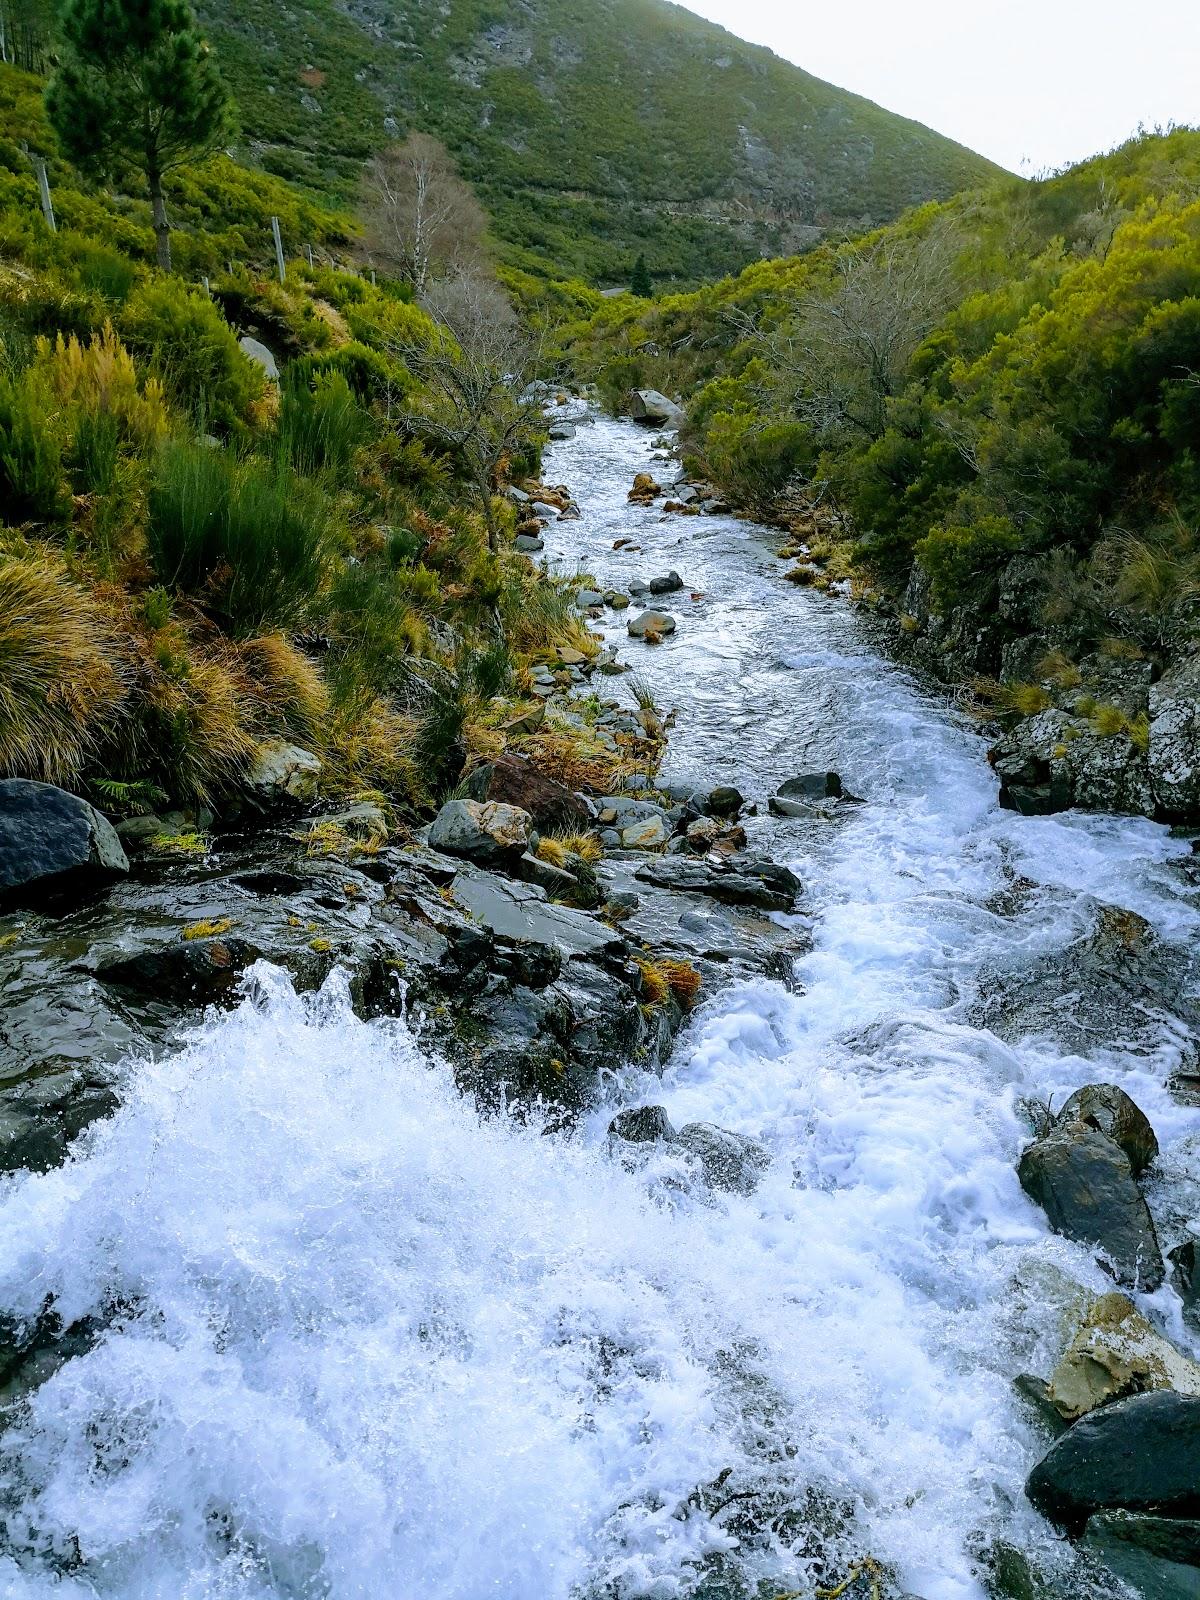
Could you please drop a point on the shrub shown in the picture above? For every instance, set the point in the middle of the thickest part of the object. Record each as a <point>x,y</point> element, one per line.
<point>753,458</point>
<point>98,380</point>
<point>32,487</point>
<point>62,677</point>
<point>958,559</point>
<point>321,425</point>
<point>248,541</point>
<point>193,351</point>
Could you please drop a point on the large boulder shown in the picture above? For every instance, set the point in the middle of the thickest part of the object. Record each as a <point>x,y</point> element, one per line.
<point>1141,1454</point>
<point>742,881</point>
<point>488,832</point>
<point>651,622</point>
<point>1110,1110</point>
<point>283,774</point>
<point>667,584</point>
<point>1052,761</point>
<point>812,786</point>
<point>1085,1185</point>
<point>729,1161</point>
<point>649,406</point>
<point>53,845</point>
<point>1159,1557</point>
<point>1115,1354</point>
<point>1175,740</point>
<point>513,781</point>
<point>257,352</point>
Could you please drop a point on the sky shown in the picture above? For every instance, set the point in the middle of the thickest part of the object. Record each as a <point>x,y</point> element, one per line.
<point>1034,84</point>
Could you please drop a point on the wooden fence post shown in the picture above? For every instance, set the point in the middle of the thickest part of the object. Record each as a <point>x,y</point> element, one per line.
<point>44,191</point>
<point>278,248</point>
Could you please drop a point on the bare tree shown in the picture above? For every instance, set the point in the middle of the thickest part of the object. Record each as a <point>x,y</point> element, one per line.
<point>475,379</point>
<point>418,213</point>
<point>850,350</point>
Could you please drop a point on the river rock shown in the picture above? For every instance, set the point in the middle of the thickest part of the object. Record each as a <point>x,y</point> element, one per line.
<point>1141,1454</point>
<point>1174,754</point>
<point>743,880</point>
<point>514,781</point>
<point>812,786</point>
<point>1084,1183</point>
<point>641,1125</point>
<point>528,544</point>
<point>488,832</point>
<point>187,972</point>
<point>645,489</point>
<point>1159,1557</point>
<point>1117,1353</point>
<point>729,1161</point>
<point>53,845</point>
<point>648,833</point>
<point>660,622</point>
<point>589,597</point>
<point>724,801</point>
<point>1185,1277</point>
<point>282,774</point>
<point>1110,1110</point>
<point>560,431</point>
<point>649,406</point>
<point>667,584</point>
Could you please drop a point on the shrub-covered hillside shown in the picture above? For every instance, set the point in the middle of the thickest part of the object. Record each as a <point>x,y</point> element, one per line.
<point>992,406</point>
<point>197,558</point>
<point>593,130</point>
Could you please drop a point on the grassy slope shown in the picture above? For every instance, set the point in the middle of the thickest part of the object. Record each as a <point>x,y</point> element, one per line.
<point>593,129</point>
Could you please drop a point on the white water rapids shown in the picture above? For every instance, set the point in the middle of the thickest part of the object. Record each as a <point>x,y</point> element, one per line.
<point>358,1342</point>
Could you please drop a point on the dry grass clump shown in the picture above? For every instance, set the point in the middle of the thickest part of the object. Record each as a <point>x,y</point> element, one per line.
<point>291,696</point>
<point>63,679</point>
<point>575,757</point>
<point>561,849</point>
<point>683,981</point>
<point>655,988</point>
<point>371,745</point>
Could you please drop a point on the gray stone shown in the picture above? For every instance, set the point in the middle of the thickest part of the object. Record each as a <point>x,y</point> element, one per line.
<point>53,844</point>
<point>1174,756</point>
<point>521,911</point>
<point>666,585</point>
<point>590,597</point>
<point>1084,1183</point>
<point>659,622</point>
<point>729,1161</point>
<point>724,801</point>
<point>559,431</point>
<point>527,544</point>
<point>1109,1109</point>
<point>554,880</point>
<point>488,832</point>
<point>1158,1557</point>
<point>282,774</point>
<point>641,1125</point>
<point>813,786</point>
<point>260,355</point>
<point>1141,1454</point>
<point>649,833</point>
<point>648,405</point>
<point>742,880</point>
<point>517,496</point>
<point>543,508</point>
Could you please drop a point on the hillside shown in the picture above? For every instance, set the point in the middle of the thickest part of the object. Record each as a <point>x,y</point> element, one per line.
<point>593,129</point>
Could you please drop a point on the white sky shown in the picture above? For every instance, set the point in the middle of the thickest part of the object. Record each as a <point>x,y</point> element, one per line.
<point>1033,84</point>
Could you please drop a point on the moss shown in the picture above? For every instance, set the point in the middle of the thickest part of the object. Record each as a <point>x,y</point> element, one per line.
<point>211,929</point>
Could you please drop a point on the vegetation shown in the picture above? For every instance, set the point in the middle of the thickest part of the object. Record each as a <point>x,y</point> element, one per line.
<point>1008,374</point>
<point>590,133</point>
<point>420,216</point>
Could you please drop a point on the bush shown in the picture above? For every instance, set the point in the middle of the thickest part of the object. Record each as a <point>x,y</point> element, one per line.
<point>62,677</point>
<point>247,540</point>
<point>191,348</point>
<point>32,487</point>
<point>959,559</point>
<point>321,425</point>
<point>754,458</point>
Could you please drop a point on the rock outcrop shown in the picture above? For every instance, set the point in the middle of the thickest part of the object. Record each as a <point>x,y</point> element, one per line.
<point>53,845</point>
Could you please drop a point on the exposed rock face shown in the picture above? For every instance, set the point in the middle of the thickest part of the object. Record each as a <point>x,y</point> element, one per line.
<point>53,845</point>
<point>744,881</point>
<point>260,355</point>
<point>647,405</point>
<point>516,782</point>
<point>1159,1557</point>
<point>1141,1454</point>
<point>1110,1110</point>
<point>1052,761</point>
<point>1084,1183</point>
<point>283,774</point>
<point>485,831</point>
<point>1115,1354</point>
<point>1174,756</point>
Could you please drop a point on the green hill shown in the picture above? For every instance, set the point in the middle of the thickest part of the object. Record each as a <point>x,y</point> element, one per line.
<point>593,129</point>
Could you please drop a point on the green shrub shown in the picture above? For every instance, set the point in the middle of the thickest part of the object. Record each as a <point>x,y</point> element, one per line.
<point>753,457</point>
<point>321,425</point>
<point>32,487</point>
<point>186,341</point>
<point>959,559</point>
<point>247,540</point>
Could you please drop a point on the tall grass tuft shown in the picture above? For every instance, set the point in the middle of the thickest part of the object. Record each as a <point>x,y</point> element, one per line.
<point>248,541</point>
<point>321,427</point>
<point>62,677</point>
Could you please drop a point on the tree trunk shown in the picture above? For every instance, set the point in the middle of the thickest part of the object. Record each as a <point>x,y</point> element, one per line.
<point>162,229</point>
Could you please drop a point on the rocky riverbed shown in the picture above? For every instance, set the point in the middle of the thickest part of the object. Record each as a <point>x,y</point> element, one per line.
<point>448,1252</point>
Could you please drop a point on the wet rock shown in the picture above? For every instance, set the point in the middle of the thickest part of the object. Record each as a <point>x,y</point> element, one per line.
<point>488,832</point>
<point>514,781</point>
<point>1110,1110</point>
<point>53,845</point>
<point>645,489</point>
<point>138,833</point>
<point>556,881</point>
<point>1159,1557</point>
<point>282,774</point>
<point>724,801</point>
<point>667,584</point>
<point>1185,1279</point>
<point>528,544</point>
<point>546,509</point>
<point>1115,1354</point>
<point>1141,1454</point>
<point>617,600</point>
<point>559,431</point>
<point>729,1161</point>
<point>703,834</point>
<point>1174,754</point>
<point>649,406</point>
<point>189,973</point>
<point>589,597</point>
<point>812,786</point>
<point>641,1125</point>
<point>649,833</point>
<point>521,911</point>
<point>745,880</point>
<point>1029,762</point>
<point>1084,1183</point>
<point>653,622</point>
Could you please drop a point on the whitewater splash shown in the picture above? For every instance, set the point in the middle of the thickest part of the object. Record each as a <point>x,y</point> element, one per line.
<point>343,1338</point>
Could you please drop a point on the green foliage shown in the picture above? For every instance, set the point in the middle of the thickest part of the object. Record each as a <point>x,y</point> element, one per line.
<point>136,88</point>
<point>321,426</point>
<point>187,343</point>
<point>32,486</point>
<point>248,541</point>
<point>639,280</point>
<point>755,457</point>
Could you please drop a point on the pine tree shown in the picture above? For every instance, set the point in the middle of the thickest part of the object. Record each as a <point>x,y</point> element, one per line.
<point>639,282</point>
<point>136,89</point>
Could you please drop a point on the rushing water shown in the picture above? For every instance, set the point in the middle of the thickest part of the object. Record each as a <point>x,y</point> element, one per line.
<point>360,1343</point>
